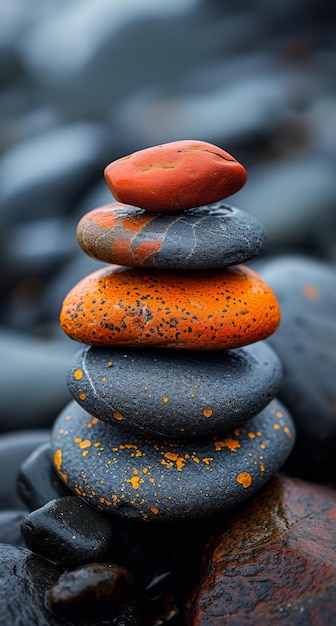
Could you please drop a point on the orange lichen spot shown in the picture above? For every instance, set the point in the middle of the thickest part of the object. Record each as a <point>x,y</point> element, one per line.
<point>97,444</point>
<point>245,479</point>
<point>258,433</point>
<point>85,453</point>
<point>81,395</point>
<point>276,426</point>
<point>263,446</point>
<point>78,374</point>
<point>232,444</point>
<point>236,432</point>
<point>251,435</point>
<point>77,439</point>
<point>135,481</point>
<point>207,412</point>
<point>279,414</point>
<point>287,431</point>
<point>118,416</point>
<point>154,510</point>
<point>61,431</point>
<point>310,291</point>
<point>109,364</point>
<point>262,467</point>
<point>208,460</point>
<point>165,399</point>
<point>85,444</point>
<point>103,379</point>
<point>68,417</point>
<point>145,388</point>
<point>192,395</point>
<point>178,460</point>
<point>58,459</point>
<point>196,386</point>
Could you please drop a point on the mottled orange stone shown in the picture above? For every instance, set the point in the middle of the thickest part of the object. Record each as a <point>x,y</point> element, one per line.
<point>175,176</point>
<point>205,310</point>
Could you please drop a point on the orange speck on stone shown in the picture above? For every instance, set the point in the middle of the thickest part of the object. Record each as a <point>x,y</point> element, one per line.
<point>208,460</point>
<point>81,395</point>
<point>118,416</point>
<point>192,395</point>
<point>68,417</point>
<point>287,431</point>
<point>262,445</point>
<point>58,459</point>
<point>103,379</point>
<point>154,510</point>
<point>85,453</point>
<point>262,467</point>
<point>251,435</point>
<point>135,481</point>
<point>77,439</point>
<point>165,399</point>
<point>236,432</point>
<point>207,412</point>
<point>85,444</point>
<point>310,291</point>
<point>178,460</point>
<point>276,426</point>
<point>78,374</point>
<point>63,476</point>
<point>245,479</point>
<point>258,433</point>
<point>232,444</point>
<point>279,414</point>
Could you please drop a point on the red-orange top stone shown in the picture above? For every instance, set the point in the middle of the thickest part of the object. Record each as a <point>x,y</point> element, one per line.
<point>205,310</point>
<point>175,176</point>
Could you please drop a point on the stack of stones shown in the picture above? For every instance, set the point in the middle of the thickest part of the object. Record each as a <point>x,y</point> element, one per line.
<point>174,413</point>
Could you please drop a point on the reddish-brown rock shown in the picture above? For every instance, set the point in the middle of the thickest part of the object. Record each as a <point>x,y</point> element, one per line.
<point>175,176</point>
<point>274,562</point>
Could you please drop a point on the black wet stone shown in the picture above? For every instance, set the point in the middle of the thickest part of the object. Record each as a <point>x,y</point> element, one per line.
<point>167,480</point>
<point>15,447</point>
<point>24,579</point>
<point>37,481</point>
<point>215,235</point>
<point>10,522</point>
<point>184,394</point>
<point>70,533</point>
<point>306,344</point>
<point>91,591</point>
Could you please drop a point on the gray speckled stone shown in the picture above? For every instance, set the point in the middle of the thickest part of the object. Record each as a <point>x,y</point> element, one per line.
<point>181,395</point>
<point>168,480</point>
<point>215,235</point>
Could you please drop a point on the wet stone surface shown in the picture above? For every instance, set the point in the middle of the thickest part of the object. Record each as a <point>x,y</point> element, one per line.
<point>272,562</point>
<point>179,394</point>
<point>216,235</point>
<point>204,310</point>
<point>154,479</point>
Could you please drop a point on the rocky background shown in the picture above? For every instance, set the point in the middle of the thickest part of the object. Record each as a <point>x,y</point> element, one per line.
<point>83,83</point>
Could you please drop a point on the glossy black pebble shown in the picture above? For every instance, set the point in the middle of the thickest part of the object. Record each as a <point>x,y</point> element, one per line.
<point>69,532</point>
<point>215,235</point>
<point>180,394</point>
<point>91,591</point>
<point>167,480</point>
<point>37,481</point>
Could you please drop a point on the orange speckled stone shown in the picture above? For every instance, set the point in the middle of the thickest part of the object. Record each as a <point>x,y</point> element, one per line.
<point>205,310</point>
<point>175,176</point>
